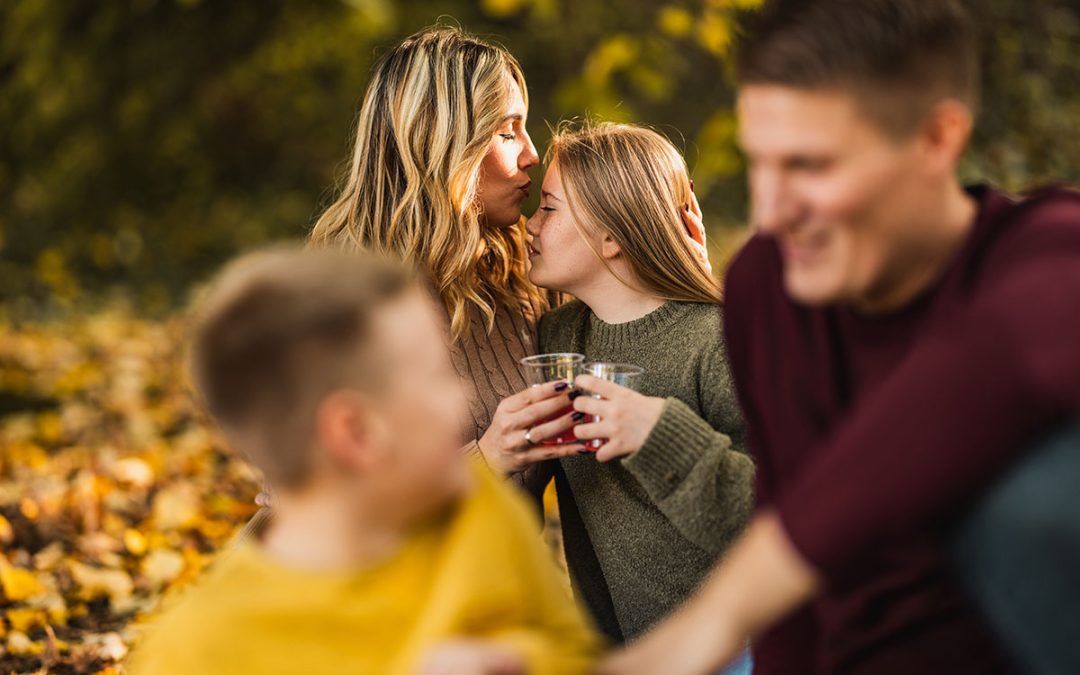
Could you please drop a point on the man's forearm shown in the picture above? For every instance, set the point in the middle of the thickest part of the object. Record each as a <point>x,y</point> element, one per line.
<point>761,580</point>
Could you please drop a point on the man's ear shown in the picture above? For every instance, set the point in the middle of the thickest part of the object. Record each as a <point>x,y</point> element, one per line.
<point>346,430</point>
<point>609,248</point>
<point>945,133</point>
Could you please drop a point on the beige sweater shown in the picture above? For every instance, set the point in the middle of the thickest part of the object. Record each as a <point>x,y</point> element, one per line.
<point>490,364</point>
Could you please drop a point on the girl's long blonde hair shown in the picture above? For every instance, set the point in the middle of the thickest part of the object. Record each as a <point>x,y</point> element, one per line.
<point>631,182</point>
<point>430,111</point>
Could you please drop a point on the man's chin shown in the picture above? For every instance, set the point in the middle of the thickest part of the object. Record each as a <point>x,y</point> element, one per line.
<point>806,289</point>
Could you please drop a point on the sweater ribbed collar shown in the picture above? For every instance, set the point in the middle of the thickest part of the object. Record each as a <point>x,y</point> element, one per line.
<point>619,335</point>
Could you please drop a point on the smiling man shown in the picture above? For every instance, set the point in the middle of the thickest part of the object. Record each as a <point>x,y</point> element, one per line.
<point>898,342</point>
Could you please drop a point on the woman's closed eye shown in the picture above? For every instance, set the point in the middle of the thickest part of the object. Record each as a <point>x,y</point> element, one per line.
<point>509,137</point>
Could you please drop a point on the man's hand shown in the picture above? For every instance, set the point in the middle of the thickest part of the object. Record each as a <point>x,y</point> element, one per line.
<point>693,642</point>
<point>471,657</point>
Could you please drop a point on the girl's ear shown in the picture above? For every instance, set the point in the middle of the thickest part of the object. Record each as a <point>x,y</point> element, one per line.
<point>609,248</point>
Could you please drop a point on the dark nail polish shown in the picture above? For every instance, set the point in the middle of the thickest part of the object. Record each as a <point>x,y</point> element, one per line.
<point>574,394</point>
<point>561,386</point>
<point>578,416</point>
<point>691,185</point>
<point>686,207</point>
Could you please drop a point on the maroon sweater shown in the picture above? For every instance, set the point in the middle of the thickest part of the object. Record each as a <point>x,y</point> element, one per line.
<point>872,433</point>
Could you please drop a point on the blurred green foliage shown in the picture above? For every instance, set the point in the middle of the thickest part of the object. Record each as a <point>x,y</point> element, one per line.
<point>145,141</point>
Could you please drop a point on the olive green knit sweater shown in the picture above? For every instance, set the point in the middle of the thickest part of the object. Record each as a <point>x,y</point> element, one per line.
<point>641,532</point>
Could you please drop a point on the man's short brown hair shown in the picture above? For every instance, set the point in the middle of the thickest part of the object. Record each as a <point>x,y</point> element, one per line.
<point>898,57</point>
<point>279,330</point>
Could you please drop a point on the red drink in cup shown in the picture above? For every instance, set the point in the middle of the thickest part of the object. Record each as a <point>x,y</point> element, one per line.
<point>566,437</point>
<point>544,368</point>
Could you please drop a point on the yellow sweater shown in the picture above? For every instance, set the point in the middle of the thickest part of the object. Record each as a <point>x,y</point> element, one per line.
<point>483,572</point>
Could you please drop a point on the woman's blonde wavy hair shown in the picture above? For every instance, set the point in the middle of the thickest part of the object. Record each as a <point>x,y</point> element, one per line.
<point>631,182</point>
<point>433,105</point>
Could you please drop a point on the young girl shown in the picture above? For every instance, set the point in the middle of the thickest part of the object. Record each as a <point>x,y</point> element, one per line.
<point>646,516</point>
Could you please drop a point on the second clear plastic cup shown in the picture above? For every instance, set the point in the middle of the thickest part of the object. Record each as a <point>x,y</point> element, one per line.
<point>623,374</point>
<point>544,368</point>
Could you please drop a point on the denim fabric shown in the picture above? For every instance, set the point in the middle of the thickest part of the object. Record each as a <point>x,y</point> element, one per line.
<point>744,665</point>
<point>1019,553</point>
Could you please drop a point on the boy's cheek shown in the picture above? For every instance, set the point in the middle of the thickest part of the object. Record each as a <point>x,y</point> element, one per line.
<point>431,416</point>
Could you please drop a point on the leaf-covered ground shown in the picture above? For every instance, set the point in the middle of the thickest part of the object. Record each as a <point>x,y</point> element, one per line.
<point>113,488</point>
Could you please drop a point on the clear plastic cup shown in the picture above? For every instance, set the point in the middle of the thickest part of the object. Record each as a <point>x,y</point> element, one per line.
<point>623,374</point>
<point>544,368</point>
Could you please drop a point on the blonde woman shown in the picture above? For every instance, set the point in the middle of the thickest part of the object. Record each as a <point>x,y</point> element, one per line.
<point>438,175</point>
<point>646,516</point>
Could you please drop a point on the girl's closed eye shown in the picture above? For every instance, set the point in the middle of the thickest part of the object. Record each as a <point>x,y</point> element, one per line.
<point>509,136</point>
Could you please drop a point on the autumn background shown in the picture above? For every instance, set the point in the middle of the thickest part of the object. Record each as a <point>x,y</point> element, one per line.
<point>143,142</point>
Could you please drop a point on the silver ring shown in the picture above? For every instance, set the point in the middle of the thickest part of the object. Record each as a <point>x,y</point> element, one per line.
<point>528,437</point>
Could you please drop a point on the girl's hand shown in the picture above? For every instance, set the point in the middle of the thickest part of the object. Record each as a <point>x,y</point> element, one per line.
<point>505,446</point>
<point>695,227</point>
<point>626,418</point>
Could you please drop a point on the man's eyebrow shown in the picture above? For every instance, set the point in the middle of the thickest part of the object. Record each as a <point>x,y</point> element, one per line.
<point>548,194</point>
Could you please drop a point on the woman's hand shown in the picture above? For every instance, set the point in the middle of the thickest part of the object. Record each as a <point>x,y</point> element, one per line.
<point>505,446</point>
<point>626,418</point>
<point>695,227</point>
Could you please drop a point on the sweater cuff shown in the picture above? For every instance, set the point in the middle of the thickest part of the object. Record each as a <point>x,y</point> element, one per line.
<point>671,450</point>
<point>473,454</point>
<point>472,450</point>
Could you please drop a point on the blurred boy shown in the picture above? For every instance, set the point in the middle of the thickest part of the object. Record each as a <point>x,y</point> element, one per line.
<point>898,341</point>
<point>387,552</point>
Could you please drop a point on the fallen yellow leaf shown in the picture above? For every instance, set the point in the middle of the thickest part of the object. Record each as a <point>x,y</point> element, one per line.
<point>134,472</point>
<point>29,508</point>
<point>162,566</point>
<point>96,582</point>
<point>134,541</point>
<point>25,619</point>
<point>7,535</point>
<point>19,584</point>
<point>18,643</point>
<point>176,507</point>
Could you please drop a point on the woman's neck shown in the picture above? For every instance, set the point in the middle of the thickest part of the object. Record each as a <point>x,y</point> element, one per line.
<point>612,301</point>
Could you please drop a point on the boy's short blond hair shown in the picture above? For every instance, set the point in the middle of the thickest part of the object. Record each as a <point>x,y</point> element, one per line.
<point>278,331</point>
